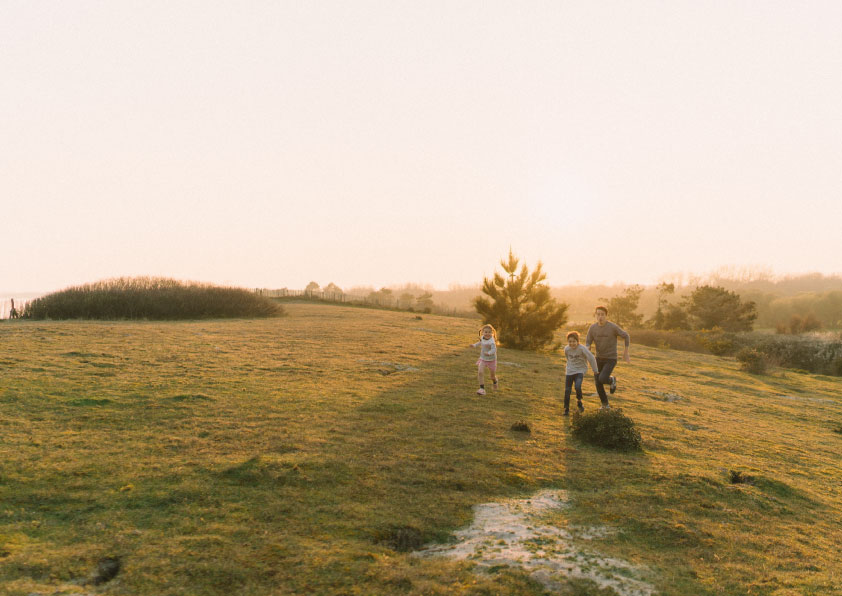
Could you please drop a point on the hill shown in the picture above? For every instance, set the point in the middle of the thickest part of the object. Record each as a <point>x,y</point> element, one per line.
<point>313,453</point>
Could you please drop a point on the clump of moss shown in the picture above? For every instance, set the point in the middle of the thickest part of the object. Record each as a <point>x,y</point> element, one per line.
<point>521,427</point>
<point>400,538</point>
<point>737,477</point>
<point>607,428</point>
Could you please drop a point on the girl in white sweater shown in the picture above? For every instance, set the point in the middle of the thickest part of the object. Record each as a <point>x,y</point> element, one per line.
<point>487,357</point>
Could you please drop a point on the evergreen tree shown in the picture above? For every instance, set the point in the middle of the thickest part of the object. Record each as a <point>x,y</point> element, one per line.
<point>623,307</point>
<point>675,318</point>
<point>424,302</point>
<point>519,306</point>
<point>711,307</point>
<point>664,289</point>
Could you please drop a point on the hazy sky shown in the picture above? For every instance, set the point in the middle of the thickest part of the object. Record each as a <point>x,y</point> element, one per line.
<point>268,144</point>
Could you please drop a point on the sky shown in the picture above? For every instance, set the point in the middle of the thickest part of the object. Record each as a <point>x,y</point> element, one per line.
<point>273,143</point>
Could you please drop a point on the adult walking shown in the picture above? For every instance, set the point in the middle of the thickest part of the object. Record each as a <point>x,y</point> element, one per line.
<point>604,334</point>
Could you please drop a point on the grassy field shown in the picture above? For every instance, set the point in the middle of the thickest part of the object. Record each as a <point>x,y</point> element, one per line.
<point>306,454</point>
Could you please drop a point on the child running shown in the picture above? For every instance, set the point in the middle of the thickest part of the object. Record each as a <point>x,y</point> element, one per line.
<point>578,358</point>
<point>487,357</point>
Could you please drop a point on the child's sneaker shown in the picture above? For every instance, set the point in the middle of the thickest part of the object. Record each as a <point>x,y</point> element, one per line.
<point>494,385</point>
<point>605,407</point>
<point>613,387</point>
<point>480,391</point>
<point>566,412</point>
<point>580,406</point>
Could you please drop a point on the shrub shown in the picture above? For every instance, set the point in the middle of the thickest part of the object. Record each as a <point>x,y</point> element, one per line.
<point>717,342</point>
<point>812,354</point>
<point>151,298</point>
<point>811,323</point>
<point>607,428</point>
<point>752,361</point>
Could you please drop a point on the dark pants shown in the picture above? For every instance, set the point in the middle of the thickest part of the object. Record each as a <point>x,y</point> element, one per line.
<point>569,380</point>
<point>606,367</point>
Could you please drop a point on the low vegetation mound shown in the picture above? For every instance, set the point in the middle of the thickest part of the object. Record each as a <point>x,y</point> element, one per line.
<point>151,298</point>
<point>751,361</point>
<point>607,428</point>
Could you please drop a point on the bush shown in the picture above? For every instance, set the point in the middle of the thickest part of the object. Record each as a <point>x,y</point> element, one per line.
<point>812,354</point>
<point>798,324</point>
<point>718,342</point>
<point>151,298</point>
<point>607,428</point>
<point>752,361</point>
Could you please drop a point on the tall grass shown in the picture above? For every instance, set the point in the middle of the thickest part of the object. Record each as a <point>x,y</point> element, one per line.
<point>150,298</point>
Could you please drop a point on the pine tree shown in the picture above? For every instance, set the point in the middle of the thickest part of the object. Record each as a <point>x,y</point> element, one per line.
<point>711,307</point>
<point>520,307</point>
<point>664,289</point>
<point>623,308</point>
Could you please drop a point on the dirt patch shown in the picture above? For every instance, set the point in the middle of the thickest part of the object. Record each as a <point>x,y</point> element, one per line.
<point>665,396</point>
<point>515,533</point>
<point>387,368</point>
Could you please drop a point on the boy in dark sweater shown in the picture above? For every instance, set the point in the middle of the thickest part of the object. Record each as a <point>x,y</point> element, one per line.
<point>604,334</point>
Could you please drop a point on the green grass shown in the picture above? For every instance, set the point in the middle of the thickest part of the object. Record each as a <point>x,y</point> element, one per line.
<point>292,456</point>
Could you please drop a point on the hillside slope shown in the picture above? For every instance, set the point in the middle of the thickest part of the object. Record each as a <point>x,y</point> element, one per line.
<point>309,454</point>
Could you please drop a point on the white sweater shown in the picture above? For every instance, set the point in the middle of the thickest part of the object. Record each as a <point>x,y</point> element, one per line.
<point>489,349</point>
<point>578,359</point>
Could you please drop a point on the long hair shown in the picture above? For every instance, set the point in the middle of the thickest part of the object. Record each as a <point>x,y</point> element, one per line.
<point>493,331</point>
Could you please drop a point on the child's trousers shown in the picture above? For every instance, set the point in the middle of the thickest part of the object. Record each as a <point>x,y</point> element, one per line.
<point>569,382</point>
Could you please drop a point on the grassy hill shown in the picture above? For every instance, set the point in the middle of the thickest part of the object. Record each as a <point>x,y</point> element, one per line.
<point>307,454</point>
